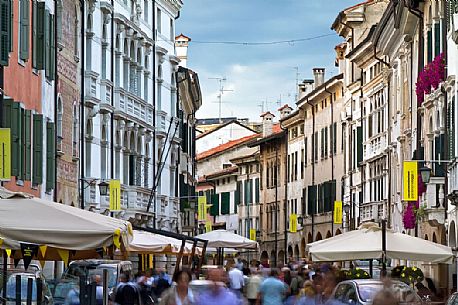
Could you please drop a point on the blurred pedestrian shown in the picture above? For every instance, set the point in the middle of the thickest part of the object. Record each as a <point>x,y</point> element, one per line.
<point>97,280</point>
<point>236,280</point>
<point>126,293</point>
<point>180,294</point>
<point>308,296</point>
<point>218,294</point>
<point>272,290</point>
<point>297,282</point>
<point>385,297</point>
<point>252,288</point>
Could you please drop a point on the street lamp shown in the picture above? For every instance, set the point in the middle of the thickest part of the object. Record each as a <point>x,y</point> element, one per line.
<point>300,220</point>
<point>425,173</point>
<point>346,208</point>
<point>104,188</point>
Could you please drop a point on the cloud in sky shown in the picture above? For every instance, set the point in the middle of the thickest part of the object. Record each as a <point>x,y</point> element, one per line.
<point>257,73</point>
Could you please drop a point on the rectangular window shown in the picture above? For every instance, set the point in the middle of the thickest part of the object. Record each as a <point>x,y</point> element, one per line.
<point>159,20</point>
<point>24,25</point>
<point>225,203</point>
<point>256,190</point>
<point>50,156</point>
<point>302,163</point>
<point>429,41</point>
<point>37,175</point>
<point>172,30</point>
<point>437,39</point>
<point>359,144</point>
<point>311,199</point>
<point>334,138</point>
<point>305,152</point>
<point>214,210</point>
<point>296,162</point>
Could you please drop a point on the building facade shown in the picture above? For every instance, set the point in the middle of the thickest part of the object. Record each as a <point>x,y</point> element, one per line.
<point>129,117</point>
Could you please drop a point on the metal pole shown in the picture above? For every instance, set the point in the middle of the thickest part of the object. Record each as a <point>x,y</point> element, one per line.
<point>105,286</point>
<point>384,245</point>
<point>276,205</point>
<point>5,276</point>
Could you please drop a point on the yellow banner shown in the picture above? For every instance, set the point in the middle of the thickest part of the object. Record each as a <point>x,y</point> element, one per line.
<point>201,207</point>
<point>208,226</point>
<point>115,195</point>
<point>5,154</point>
<point>293,223</point>
<point>338,212</point>
<point>410,181</point>
<point>253,234</point>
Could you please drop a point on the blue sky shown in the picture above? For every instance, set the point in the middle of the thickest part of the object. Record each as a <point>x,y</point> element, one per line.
<point>257,73</point>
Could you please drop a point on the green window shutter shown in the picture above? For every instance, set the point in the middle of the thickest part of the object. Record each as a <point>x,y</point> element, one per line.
<point>237,193</point>
<point>50,156</point>
<point>5,31</point>
<point>24,35</point>
<point>16,135</point>
<point>52,57</point>
<point>7,111</point>
<point>34,32</point>
<point>437,39</point>
<point>47,46</point>
<point>359,145</point>
<point>311,199</point>
<point>256,190</point>
<point>225,203</point>
<point>214,210</point>
<point>39,43</point>
<point>28,144</point>
<point>429,42</point>
<point>37,174</point>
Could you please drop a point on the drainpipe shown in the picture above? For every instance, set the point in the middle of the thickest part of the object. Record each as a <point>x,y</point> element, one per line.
<point>56,82</point>
<point>313,166</point>
<point>112,77</point>
<point>276,205</point>
<point>446,150</point>
<point>154,114</point>
<point>332,155</point>
<point>82,122</point>
<point>286,195</point>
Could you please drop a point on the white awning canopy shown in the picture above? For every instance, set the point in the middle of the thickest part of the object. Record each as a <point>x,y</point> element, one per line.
<point>366,243</point>
<point>226,239</point>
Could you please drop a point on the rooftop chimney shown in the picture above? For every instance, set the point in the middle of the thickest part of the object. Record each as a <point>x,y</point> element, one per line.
<point>267,123</point>
<point>285,110</point>
<point>181,46</point>
<point>318,74</point>
<point>305,88</point>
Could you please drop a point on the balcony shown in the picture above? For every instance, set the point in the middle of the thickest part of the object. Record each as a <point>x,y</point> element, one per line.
<point>130,106</point>
<point>90,92</point>
<point>161,124</point>
<point>106,88</point>
<point>373,211</point>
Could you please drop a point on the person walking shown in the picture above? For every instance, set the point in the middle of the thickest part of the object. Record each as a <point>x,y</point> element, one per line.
<point>218,294</point>
<point>126,293</point>
<point>252,288</point>
<point>272,290</point>
<point>179,294</point>
<point>236,279</point>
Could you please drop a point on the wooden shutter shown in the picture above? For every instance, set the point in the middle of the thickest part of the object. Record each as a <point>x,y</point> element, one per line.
<point>39,43</point>
<point>7,111</point>
<point>52,42</point>
<point>256,190</point>
<point>311,199</point>
<point>47,50</point>
<point>28,144</point>
<point>429,38</point>
<point>5,31</point>
<point>437,39</point>
<point>359,145</point>
<point>50,156</point>
<point>16,135</point>
<point>334,138</point>
<point>225,203</point>
<point>24,25</point>
<point>214,210</point>
<point>34,32</point>
<point>37,174</point>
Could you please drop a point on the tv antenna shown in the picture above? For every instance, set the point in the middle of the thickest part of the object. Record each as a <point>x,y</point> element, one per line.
<point>221,80</point>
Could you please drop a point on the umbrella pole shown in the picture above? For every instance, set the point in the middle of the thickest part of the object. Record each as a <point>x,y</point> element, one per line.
<point>5,278</point>
<point>193,252</point>
<point>384,247</point>
<point>180,256</point>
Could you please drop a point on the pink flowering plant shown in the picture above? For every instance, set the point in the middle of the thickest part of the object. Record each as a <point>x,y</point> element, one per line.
<point>430,78</point>
<point>413,212</point>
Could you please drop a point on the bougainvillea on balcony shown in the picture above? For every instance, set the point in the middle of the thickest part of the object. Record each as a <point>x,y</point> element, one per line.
<point>409,218</point>
<point>430,78</point>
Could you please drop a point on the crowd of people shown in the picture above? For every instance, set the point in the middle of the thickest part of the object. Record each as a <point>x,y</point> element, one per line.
<point>240,284</point>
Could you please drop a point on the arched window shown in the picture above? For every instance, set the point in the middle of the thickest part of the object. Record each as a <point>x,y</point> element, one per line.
<point>125,161</point>
<point>145,79</point>
<point>60,112</point>
<point>75,132</point>
<point>133,70</point>
<point>59,21</point>
<point>76,34</point>
<point>159,87</point>
<point>132,159</point>
<point>173,95</point>
<point>125,68</point>
<point>118,146</point>
<point>104,51</point>
<point>88,147</point>
<point>146,10</point>
<point>88,54</point>
<point>146,166</point>
<point>103,152</point>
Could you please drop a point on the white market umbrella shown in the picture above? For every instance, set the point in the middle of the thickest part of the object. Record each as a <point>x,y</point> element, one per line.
<point>366,243</point>
<point>226,239</point>
<point>212,250</point>
<point>26,219</point>
<point>149,243</point>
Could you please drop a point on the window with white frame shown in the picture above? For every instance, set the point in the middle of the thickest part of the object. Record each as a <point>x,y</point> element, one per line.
<point>146,10</point>
<point>159,20</point>
<point>173,95</point>
<point>103,152</point>
<point>159,87</point>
